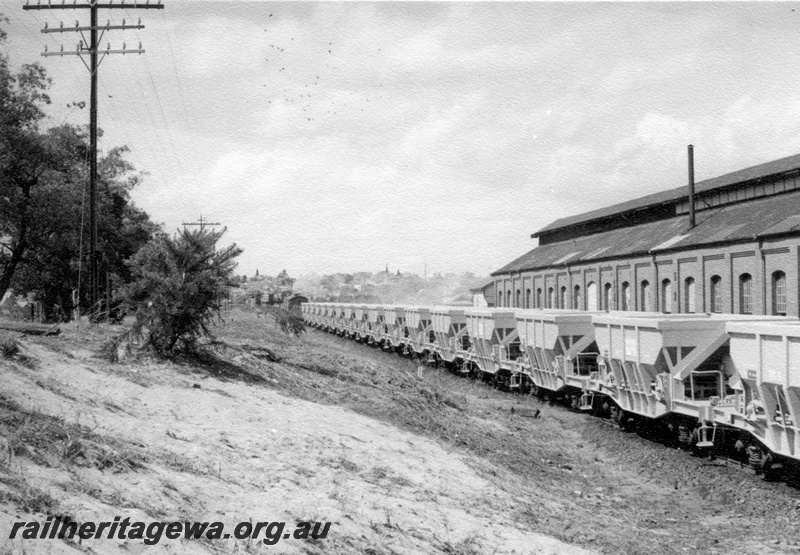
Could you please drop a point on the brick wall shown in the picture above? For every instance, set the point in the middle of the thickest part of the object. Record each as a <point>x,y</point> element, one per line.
<point>758,259</point>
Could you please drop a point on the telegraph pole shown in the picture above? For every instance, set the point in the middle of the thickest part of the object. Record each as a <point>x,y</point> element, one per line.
<point>202,223</point>
<point>224,302</point>
<point>92,47</point>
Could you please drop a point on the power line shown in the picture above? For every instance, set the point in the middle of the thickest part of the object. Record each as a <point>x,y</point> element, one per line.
<point>91,48</point>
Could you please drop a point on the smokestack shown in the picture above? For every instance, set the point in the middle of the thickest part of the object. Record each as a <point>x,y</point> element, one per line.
<point>691,187</point>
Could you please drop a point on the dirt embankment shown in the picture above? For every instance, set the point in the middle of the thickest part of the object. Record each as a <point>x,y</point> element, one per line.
<point>160,441</point>
<point>400,459</point>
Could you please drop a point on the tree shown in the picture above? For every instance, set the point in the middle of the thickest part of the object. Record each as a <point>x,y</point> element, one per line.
<point>44,176</point>
<point>178,287</point>
<point>25,158</point>
<point>53,265</point>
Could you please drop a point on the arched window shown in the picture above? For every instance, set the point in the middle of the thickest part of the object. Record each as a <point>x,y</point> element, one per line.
<point>688,295</point>
<point>591,296</point>
<point>551,297</point>
<point>576,297</point>
<point>626,295</point>
<point>666,296</point>
<point>779,293</point>
<point>499,298</point>
<point>508,298</point>
<point>644,296</point>
<point>745,294</point>
<point>608,300</point>
<point>519,299</point>
<point>538,297</point>
<point>716,294</point>
<point>528,298</point>
<point>562,301</point>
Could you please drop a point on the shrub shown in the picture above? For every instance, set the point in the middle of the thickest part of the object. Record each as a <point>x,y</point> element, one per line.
<point>178,287</point>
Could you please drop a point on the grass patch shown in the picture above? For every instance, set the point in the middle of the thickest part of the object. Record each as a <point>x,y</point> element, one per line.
<point>51,441</point>
<point>26,496</point>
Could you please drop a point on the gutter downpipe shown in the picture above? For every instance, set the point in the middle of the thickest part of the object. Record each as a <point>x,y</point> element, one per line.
<point>690,149</point>
<point>764,299</point>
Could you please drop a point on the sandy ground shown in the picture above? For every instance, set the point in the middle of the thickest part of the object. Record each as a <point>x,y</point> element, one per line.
<point>218,450</point>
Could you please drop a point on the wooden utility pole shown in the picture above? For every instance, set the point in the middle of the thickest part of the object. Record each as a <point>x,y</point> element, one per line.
<point>91,47</point>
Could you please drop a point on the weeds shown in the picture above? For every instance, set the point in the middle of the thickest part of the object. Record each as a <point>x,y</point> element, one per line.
<point>51,441</point>
<point>286,321</point>
<point>9,347</point>
<point>26,496</point>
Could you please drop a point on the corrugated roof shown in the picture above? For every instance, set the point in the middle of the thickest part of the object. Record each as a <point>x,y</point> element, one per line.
<point>756,218</point>
<point>776,167</point>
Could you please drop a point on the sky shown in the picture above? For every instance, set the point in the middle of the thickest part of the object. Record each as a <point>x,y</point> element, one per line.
<point>432,137</point>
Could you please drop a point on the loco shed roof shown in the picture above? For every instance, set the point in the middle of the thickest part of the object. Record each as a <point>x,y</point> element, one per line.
<point>753,173</point>
<point>768,216</point>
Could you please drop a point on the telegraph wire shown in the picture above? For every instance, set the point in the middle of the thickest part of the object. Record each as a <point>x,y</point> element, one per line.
<point>164,118</point>
<point>184,104</point>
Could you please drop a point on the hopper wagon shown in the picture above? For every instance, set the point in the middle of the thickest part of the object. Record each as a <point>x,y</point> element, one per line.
<point>361,326</point>
<point>421,336</point>
<point>452,343</point>
<point>494,340</point>
<point>395,334</point>
<point>764,364</point>
<point>376,325</point>
<point>559,348</point>
<point>346,324</point>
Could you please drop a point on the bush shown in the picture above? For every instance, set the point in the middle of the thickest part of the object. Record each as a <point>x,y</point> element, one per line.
<point>178,287</point>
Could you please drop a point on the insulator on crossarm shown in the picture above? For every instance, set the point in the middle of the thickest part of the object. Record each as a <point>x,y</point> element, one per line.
<point>45,48</point>
<point>45,23</point>
<point>108,46</point>
<point>61,24</point>
<point>140,46</point>
<point>123,23</point>
<point>62,47</point>
<point>77,23</point>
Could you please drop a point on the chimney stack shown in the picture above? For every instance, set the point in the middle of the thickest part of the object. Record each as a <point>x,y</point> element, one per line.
<point>691,187</point>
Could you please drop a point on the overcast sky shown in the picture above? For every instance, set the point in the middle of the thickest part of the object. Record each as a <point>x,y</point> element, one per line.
<point>345,136</point>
